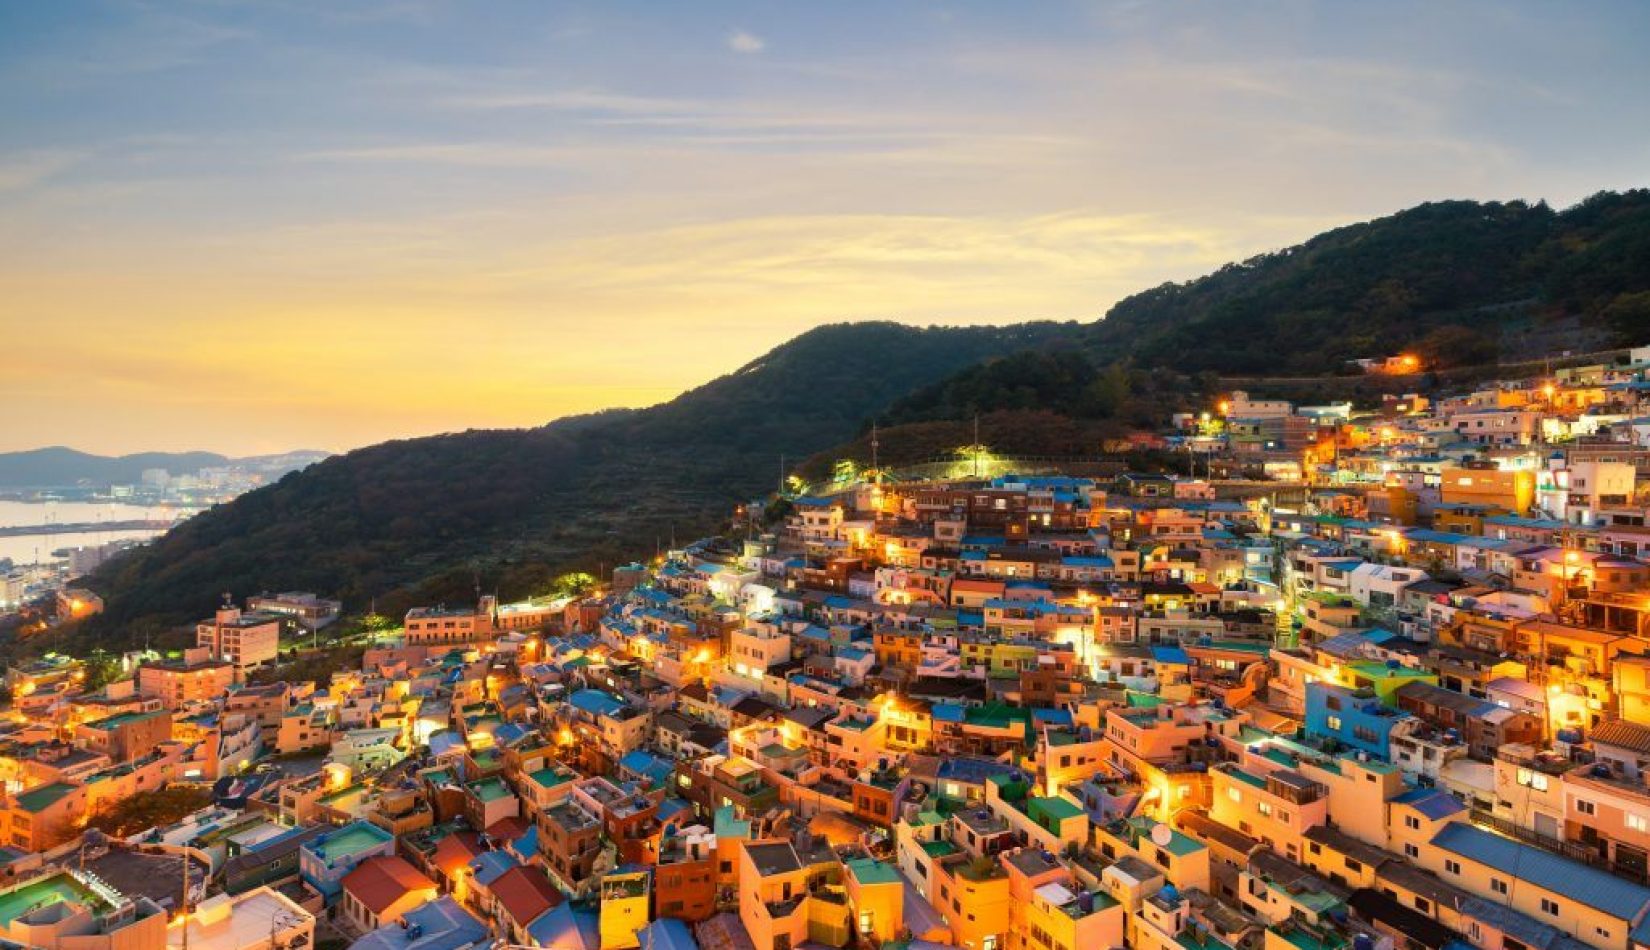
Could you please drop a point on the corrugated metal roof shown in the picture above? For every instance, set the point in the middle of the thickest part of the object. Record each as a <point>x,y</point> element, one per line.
<point>1585,885</point>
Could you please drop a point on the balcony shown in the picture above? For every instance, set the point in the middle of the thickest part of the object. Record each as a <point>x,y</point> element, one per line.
<point>1611,779</point>
<point>779,910</point>
<point>1543,762</point>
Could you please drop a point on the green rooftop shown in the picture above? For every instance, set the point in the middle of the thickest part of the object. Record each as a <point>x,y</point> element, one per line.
<point>43,892</point>
<point>1243,646</point>
<point>1179,845</point>
<point>938,848</point>
<point>491,789</point>
<point>872,871</point>
<point>125,718</point>
<point>549,777</point>
<point>44,797</point>
<point>1302,940</point>
<point>996,716</point>
<point>349,840</point>
<point>1056,808</point>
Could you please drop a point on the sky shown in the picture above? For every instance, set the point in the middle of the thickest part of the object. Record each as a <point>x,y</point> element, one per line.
<point>251,227</point>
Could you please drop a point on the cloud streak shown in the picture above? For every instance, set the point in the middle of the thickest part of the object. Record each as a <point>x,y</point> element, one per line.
<point>741,41</point>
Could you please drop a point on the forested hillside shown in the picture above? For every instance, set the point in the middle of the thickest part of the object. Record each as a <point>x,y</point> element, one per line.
<point>428,519</point>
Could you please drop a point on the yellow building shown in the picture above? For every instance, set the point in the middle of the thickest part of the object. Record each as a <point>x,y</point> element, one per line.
<point>878,900</point>
<point>1513,491</point>
<point>625,901</point>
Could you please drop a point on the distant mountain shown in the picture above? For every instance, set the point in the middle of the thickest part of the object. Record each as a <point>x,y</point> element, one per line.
<point>58,467</point>
<point>430,519</point>
<point>61,467</point>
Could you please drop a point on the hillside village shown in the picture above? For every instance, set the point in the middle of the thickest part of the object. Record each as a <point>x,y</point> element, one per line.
<point>1373,677</point>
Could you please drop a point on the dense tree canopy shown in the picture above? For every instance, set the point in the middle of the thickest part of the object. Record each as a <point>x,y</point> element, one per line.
<point>1378,288</point>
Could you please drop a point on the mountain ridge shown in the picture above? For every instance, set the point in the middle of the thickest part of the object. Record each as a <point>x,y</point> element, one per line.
<point>431,519</point>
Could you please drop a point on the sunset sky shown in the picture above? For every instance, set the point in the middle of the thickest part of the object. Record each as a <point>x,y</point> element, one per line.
<point>264,226</point>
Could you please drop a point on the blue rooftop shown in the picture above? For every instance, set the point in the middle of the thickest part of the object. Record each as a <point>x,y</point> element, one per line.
<point>438,925</point>
<point>595,702</point>
<point>1173,655</point>
<point>1431,802</point>
<point>562,926</point>
<point>666,933</point>
<point>1585,885</point>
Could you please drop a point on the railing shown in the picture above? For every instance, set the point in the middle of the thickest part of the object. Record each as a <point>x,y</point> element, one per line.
<point>1569,849</point>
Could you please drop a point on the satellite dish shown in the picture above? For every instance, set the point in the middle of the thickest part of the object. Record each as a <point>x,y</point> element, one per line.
<point>1161,835</point>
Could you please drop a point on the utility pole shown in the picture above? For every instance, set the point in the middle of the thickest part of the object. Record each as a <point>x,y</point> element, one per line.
<point>186,899</point>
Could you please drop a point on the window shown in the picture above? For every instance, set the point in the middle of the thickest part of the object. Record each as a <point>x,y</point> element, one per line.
<point>1497,885</point>
<point>1412,823</point>
<point>1453,867</point>
<point>1585,807</point>
<point>1233,793</point>
<point>1549,907</point>
<point>1265,808</point>
<point>1637,822</point>
<point>1411,851</point>
<point>1333,723</point>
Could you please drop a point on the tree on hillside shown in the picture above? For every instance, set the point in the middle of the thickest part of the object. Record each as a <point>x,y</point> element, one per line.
<point>1450,346</point>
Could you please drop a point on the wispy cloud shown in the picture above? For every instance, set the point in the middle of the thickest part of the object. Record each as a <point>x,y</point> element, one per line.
<point>575,100</point>
<point>472,154</point>
<point>21,170</point>
<point>742,42</point>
